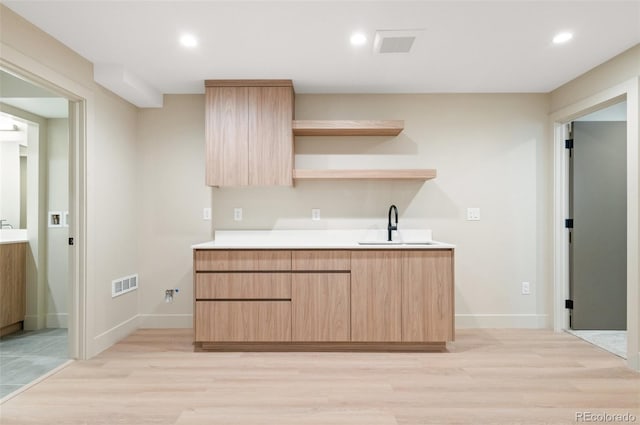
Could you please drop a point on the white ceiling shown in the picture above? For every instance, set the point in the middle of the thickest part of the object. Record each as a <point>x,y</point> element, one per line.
<point>466,46</point>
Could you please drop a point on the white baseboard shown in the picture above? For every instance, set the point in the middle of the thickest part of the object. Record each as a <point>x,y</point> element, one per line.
<point>30,323</point>
<point>176,321</point>
<point>634,362</point>
<point>57,320</point>
<point>109,337</point>
<point>535,321</point>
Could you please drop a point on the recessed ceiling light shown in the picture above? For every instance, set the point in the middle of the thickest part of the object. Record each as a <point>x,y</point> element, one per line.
<point>562,37</point>
<point>358,39</point>
<point>188,40</point>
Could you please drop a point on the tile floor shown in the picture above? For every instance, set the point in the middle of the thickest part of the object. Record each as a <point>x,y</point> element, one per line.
<point>613,341</point>
<point>27,355</point>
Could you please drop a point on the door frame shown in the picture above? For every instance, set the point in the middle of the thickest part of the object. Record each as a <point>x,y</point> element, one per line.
<point>629,90</point>
<point>80,127</point>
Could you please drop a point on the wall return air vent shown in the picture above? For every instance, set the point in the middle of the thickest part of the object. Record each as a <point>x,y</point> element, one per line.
<point>395,41</point>
<point>124,285</point>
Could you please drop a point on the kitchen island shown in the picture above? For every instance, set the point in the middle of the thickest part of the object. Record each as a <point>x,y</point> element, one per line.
<point>323,290</point>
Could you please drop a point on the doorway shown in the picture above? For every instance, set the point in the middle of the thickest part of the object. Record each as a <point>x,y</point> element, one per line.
<point>597,228</point>
<point>50,334</point>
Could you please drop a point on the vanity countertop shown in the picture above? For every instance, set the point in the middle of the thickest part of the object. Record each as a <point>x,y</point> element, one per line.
<point>8,236</point>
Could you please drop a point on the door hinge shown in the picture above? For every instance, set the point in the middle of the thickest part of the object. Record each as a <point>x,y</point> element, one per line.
<point>568,304</point>
<point>568,223</point>
<point>568,144</point>
<point>71,242</point>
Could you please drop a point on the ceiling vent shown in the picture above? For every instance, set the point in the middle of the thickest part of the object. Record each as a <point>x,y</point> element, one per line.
<point>394,41</point>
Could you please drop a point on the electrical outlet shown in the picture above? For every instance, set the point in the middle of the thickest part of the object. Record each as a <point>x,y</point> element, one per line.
<point>237,214</point>
<point>473,214</point>
<point>526,288</point>
<point>206,214</point>
<point>315,214</point>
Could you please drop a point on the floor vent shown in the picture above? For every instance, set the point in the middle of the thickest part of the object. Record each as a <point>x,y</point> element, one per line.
<point>124,285</point>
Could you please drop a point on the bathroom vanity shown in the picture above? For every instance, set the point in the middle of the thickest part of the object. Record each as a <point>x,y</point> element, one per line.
<point>13,249</point>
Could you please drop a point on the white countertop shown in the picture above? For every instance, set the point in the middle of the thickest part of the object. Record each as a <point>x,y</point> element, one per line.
<point>8,236</point>
<point>322,239</point>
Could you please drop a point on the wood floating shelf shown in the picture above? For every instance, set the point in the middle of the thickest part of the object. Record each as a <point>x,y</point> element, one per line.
<point>422,174</point>
<point>347,127</point>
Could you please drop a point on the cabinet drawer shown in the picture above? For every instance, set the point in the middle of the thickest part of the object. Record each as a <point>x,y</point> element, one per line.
<point>321,260</point>
<point>214,260</point>
<point>243,285</point>
<point>243,321</point>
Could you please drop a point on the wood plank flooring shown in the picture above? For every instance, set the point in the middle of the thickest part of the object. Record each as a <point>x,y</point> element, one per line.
<point>487,377</point>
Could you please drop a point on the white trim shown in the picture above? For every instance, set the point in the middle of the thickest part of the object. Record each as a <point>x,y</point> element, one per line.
<point>630,90</point>
<point>57,320</point>
<point>32,321</point>
<point>560,235</point>
<point>109,337</point>
<point>524,321</point>
<point>168,321</point>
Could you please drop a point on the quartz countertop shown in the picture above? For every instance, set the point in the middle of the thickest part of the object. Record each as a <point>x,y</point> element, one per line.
<point>8,236</point>
<point>323,239</point>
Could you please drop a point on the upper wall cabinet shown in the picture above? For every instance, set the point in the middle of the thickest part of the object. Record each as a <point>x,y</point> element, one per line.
<point>248,132</point>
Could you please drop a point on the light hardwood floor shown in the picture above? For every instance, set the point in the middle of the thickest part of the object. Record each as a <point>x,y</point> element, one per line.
<point>487,377</point>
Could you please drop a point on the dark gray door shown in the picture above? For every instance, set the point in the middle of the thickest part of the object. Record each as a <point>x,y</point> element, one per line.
<point>598,269</point>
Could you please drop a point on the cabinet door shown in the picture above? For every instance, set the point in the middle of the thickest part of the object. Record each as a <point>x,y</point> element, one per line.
<point>376,296</point>
<point>212,286</point>
<point>320,306</point>
<point>427,296</point>
<point>241,260</point>
<point>321,260</point>
<point>12,283</point>
<point>243,321</point>
<point>270,136</point>
<point>227,146</point>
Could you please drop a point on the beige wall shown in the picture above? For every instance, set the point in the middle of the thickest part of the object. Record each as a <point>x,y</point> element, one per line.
<point>491,151</point>
<point>57,200</point>
<point>615,71</point>
<point>172,196</point>
<point>112,208</point>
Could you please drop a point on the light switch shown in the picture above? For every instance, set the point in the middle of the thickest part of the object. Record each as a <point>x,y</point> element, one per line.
<point>237,214</point>
<point>315,214</point>
<point>526,288</point>
<point>473,214</point>
<point>206,214</point>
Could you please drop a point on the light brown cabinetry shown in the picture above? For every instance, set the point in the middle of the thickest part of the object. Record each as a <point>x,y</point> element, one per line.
<point>320,292</point>
<point>323,299</point>
<point>242,296</point>
<point>427,296</point>
<point>265,260</point>
<point>12,286</point>
<point>320,307</point>
<point>376,296</point>
<point>213,286</point>
<point>249,141</point>
<point>243,321</point>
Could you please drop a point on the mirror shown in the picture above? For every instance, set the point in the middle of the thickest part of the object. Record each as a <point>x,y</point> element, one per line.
<point>13,172</point>
<point>24,109</point>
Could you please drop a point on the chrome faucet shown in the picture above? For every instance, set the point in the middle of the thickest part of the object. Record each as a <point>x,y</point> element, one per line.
<point>4,225</point>
<point>391,228</point>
